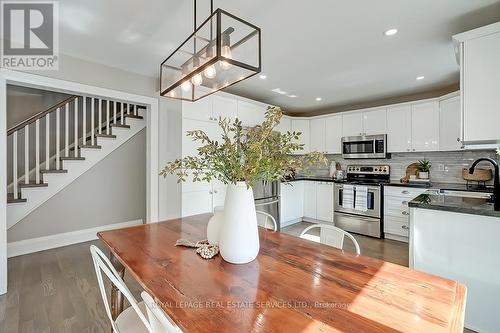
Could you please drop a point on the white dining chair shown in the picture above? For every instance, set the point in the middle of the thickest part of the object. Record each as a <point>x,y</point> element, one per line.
<point>160,322</point>
<point>265,218</point>
<point>330,235</point>
<point>131,320</point>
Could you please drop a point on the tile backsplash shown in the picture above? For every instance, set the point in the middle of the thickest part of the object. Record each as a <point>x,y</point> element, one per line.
<point>446,166</point>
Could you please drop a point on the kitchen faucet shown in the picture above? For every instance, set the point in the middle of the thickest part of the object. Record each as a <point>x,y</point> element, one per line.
<point>496,190</point>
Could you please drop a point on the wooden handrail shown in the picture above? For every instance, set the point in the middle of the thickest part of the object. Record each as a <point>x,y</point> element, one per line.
<point>40,114</point>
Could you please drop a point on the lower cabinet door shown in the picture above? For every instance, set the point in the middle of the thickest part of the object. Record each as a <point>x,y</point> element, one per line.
<point>310,199</point>
<point>219,195</point>
<point>197,202</point>
<point>324,206</point>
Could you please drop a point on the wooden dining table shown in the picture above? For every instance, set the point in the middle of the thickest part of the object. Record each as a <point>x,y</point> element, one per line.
<point>294,285</point>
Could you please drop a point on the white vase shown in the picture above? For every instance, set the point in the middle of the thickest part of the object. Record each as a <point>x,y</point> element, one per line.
<point>239,235</point>
<point>423,175</point>
<point>214,225</point>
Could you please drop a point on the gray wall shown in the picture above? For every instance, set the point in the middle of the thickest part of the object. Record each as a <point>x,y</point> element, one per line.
<point>86,72</point>
<point>113,191</point>
<point>170,148</point>
<point>453,163</point>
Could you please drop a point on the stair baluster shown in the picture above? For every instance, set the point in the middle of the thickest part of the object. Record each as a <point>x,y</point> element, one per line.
<point>84,123</point>
<point>66,130</point>
<point>37,151</point>
<point>108,130</point>
<point>14,163</point>
<point>121,114</point>
<point>75,147</point>
<point>58,138</point>
<point>27,154</point>
<point>92,121</point>
<point>114,112</point>
<point>47,141</point>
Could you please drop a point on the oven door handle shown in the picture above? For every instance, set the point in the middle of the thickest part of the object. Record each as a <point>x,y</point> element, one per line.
<point>268,201</point>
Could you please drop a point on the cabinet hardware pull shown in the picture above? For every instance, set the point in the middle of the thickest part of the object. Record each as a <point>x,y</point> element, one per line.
<point>210,192</point>
<point>215,191</point>
<point>405,227</point>
<point>404,202</point>
<point>405,213</point>
<point>458,139</point>
<point>405,192</point>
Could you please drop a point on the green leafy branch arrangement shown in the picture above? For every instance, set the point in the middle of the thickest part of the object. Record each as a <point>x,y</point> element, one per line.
<point>245,154</point>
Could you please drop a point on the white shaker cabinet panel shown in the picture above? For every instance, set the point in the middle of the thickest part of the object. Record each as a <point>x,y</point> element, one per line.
<point>251,114</point>
<point>375,122</point>
<point>224,107</point>
<point>425,126</point>
<point>292,202</point>
<point>200,110</point>
<point>399,129</point>
<point>317,128</point>
<point>352,124</point>
<point>302,126</point>
<point>324,203</point>
<point>449,124</point>
<point>284,126</point>
<point>310,199</point>
<point>333,134</point>
<point>196,202</point>
<point>480,87</point>
<point>189,147</point>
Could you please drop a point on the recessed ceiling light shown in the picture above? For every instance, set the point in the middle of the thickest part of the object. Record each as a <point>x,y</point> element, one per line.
<point>279,91</point>
<point>421,77</point>
<point>263,77</point>
<point>391,32</point>
<point>319,99</point>
<point>292,96</point>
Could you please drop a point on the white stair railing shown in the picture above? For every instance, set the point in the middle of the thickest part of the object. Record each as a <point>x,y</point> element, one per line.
<point>55,141</point>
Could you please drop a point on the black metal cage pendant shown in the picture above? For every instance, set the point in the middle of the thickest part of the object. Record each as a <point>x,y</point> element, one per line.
<point>222,51</point>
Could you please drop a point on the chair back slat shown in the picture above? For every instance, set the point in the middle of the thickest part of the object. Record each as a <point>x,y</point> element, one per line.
<point>160,322</point>
<point>330,235</point>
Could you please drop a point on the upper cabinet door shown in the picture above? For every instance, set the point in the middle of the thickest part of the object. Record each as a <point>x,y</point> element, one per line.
<point>284,126</point>
<point>399,129</point>
<point>251,114</point>
<point>317,127</point>
<point>352,124</point>
<point>449,124</point>
<point>425,126</point>
<point>480,88</point>
<point>190,147</point>
<point>333,134</point>
<point>375,122</point>
<point>200,110</point>
<point>302,126</point>
<point>224,107</point>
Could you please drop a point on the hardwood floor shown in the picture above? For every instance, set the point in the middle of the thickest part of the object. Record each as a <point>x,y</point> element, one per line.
<point>56,290</point>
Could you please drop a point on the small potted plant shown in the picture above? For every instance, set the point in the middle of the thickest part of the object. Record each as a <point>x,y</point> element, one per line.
<point>238,158</point>
<point>423,169</point>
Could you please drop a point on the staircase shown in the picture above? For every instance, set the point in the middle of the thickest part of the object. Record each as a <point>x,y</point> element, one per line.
<point>54,147</point>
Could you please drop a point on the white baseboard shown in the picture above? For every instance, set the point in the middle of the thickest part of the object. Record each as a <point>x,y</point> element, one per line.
<point>287,223</point>
<point>27,246</point>
<point>397,238</point>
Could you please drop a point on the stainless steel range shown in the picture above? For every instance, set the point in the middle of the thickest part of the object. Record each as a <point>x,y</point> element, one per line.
<point>358,199</point>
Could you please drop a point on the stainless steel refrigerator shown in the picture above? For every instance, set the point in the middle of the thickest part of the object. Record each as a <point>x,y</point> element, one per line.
<point>267,198</point>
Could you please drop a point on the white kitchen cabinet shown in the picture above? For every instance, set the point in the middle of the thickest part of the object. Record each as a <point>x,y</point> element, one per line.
<point>480,79</point>
<point>399,129</point>
<point>318,139</point>
<point>333,134</point>
<point>197,202</point>
<point>310,199</point>
<point>324,201</point>
<point>189,147</point>
<point>199,110</point>
<point>302,126</point>
<point>352,124</point>
<point>449,124</point>
<point>251,113</point>
<point>375,122</point>
<point>425,126</point>
<point>284,126</point>
<point>224,107</point>
<point>292,202</point>
<point>396,211</point>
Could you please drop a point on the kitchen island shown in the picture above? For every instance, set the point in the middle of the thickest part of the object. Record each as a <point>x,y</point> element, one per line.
<point>455,235</point>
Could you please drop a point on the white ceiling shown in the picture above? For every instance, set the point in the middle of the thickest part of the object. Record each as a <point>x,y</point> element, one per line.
<point>320,48</point>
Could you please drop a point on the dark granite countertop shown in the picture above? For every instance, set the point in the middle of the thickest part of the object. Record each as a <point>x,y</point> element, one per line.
<point>312,178</point>
<point>454,204</point>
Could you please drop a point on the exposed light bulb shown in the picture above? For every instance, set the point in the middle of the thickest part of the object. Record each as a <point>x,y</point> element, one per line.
<point>186,85</point>
<point>226,53</point>
<point>210,72</point>
<point>197,80</point>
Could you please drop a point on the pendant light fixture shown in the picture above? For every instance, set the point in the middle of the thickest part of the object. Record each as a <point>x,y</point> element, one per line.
<point>222,51</point>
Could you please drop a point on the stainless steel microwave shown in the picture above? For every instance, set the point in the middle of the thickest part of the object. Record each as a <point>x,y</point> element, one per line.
<point>367,146</point>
